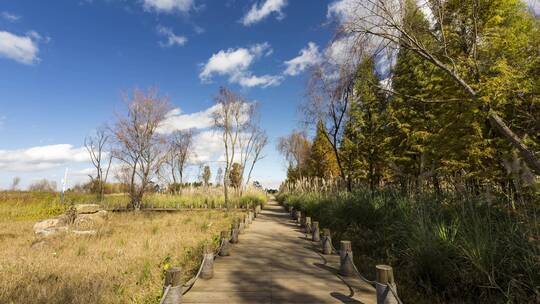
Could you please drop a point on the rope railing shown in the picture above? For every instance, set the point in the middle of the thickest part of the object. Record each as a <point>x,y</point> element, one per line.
<point>165,294</point>
<point>384,285</point>
<point>173,290</point>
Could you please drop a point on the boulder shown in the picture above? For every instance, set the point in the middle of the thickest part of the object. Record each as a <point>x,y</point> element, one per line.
<point>47,224</point>
<point>87,208</point>
<point>51,231</point>
<point>84,232</point>
<point>86,221</point>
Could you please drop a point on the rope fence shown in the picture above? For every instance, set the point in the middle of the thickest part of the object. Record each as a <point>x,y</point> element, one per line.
<point>384,285</point>
<point>173,290</point>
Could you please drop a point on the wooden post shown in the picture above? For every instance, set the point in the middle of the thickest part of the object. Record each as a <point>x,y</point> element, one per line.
<point>234,235</point>
<point>308,224</point>
<point>385,280</point>
<point>315,235</point>
<point>293,213</point>
<point>207,271</point>
<point>346,267</point>
<point>172,280</point>
<point>241,227</point>
<point>326,242</point>
<point>303,219</point>
<point>258,209</point>
<point>298,217</point>
<point>225,250</point>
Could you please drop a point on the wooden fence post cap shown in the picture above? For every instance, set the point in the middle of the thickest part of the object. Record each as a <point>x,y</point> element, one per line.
<point>346,245</point>
<point>173,276</point>
<point>207,248</point>
<point>385,274</point>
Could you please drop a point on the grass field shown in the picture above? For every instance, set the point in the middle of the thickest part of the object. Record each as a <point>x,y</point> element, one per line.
<point>123,263</point>
<point>19,205</point>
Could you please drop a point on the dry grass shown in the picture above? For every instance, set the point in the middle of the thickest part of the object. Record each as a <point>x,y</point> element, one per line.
<point>123,263</point>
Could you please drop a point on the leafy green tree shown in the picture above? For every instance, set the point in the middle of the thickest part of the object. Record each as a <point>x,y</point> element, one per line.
<point>235,176</point>
<point>364,146</point>
<point>322,160</point>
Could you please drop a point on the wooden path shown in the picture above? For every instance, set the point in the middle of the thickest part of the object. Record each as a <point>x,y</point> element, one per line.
<point>275,263</point>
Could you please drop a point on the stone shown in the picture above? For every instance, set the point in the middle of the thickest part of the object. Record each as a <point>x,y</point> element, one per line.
<point>86,221</point>
<point>47,224</point>
<point>51,231</point>
<point>87,208</point>
<point>84,232</point>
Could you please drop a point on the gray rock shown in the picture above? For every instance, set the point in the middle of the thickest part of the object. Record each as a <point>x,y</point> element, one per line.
<point>84,232</point>
<point>87,208</point>
<point>51,231</point>
<point>47,224</point>
<point>88,221</point>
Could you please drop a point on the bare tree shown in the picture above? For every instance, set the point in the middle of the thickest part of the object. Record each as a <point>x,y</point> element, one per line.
<point>259,141</point>
<point>179,152</point>
<point>95,145</point>
<point>381,22</point>
<point>295,148</point>
<point>42,185</point>
<point>182,142</point>
<point>329,100</point>
<point>15,183</point>
<point>251,144</point>
<point>139,146</point>
<point>230,119</point>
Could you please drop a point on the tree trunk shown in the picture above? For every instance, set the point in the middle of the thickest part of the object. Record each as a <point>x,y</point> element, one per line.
<point>525,152</point>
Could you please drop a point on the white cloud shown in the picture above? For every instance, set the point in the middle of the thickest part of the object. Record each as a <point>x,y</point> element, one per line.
<point>208,146</point>
<point>342,10</point>
<point>235,64</point>
<point>10,17</point>
<point>41,157</point>
<point>263,81</point>
<point>259,12</point>
<point>176,120</point>
<point>172,38</point>
<point>23,49</point>
<point>168,6</point>
<point>308,56</point>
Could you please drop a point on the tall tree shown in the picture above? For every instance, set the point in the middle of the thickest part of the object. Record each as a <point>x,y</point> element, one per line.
<point>139,146</point>
<point>364,140</point>
<point>322,160</point>
<point>96,146</point>
<point>483,47</point>
<point>296,149</point>
<point>230,119</point>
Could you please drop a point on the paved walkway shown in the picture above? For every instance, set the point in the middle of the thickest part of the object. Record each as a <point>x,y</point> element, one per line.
<point>275,263</point>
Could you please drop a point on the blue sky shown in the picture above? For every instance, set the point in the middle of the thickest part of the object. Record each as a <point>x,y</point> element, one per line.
<point>64,65</point>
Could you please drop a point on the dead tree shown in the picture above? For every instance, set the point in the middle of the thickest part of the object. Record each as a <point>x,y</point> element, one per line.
<point>138,145</point>
<point>230,120</point>
<point>96,145</point>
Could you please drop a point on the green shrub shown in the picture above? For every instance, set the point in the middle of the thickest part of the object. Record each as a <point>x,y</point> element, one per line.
<point>443,249</point>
